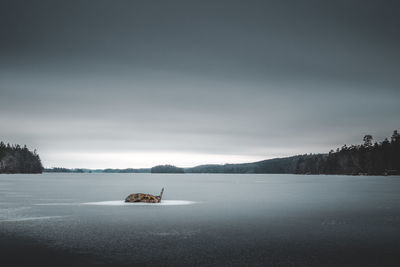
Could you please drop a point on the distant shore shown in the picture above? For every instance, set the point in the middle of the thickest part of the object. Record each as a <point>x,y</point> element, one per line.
<point>369,158</point>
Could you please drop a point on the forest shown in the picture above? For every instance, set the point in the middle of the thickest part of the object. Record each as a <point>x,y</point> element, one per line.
<point>17,159</point>
<point>166,169</point>
<point>369,158</point>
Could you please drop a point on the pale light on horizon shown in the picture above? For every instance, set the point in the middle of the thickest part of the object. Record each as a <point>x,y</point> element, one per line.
<point>122,160</point>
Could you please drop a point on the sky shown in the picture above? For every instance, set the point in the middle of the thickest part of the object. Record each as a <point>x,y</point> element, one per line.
<point>118,84</point>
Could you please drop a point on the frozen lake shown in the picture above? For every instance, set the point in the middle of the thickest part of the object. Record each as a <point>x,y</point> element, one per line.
<point>204,220</point>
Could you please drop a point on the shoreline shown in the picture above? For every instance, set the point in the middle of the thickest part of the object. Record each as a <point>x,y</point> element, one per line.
<point>220,173</point>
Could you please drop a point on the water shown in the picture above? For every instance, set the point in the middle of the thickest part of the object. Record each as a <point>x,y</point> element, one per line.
<point>204,220</point>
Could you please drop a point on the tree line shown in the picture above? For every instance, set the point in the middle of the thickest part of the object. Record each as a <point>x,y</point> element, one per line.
<point>17,159</point>
<point>370,158</point>
<point>166,169</point>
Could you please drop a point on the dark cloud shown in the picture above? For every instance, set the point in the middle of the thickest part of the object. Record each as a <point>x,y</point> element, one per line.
<point>196,78</point>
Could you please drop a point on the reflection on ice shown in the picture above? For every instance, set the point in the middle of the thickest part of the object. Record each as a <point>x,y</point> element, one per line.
<point>21,214</point>
<point>56,204</point>
<point>22,219</point>
<point>123,203</point>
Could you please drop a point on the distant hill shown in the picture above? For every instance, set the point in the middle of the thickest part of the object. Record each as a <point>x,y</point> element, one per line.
<point>277,165</point>
<point>300,164</point>
<point>17,159</point>
<point>166,169</point>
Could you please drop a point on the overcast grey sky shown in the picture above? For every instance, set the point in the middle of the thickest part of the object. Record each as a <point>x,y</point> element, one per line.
<point>137,83</point>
